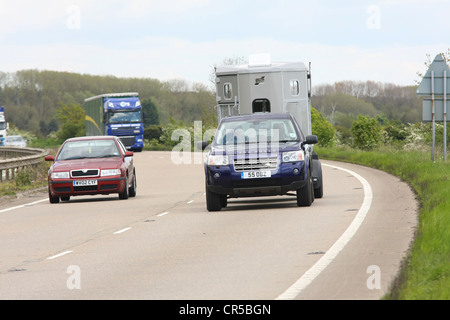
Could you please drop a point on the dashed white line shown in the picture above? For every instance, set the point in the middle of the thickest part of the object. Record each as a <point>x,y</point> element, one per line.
<point>329,256</point>
<point>163,214</point>
<point>189,202</point>
<point>59,255</point>
<point>122,231</point>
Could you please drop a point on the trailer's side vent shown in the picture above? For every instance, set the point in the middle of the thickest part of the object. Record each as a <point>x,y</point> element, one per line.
<point>261,105</point>
<point>260,80</point>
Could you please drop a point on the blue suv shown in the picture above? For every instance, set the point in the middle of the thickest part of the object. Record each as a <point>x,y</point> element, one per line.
<point>259,155</point>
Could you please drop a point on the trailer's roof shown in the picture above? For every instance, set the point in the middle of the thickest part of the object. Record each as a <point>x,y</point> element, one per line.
<point>114,95</point>
<point>258,116</point>
<point>272,67</point>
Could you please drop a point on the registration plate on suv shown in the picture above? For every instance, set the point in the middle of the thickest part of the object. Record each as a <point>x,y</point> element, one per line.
<point>255,174</point>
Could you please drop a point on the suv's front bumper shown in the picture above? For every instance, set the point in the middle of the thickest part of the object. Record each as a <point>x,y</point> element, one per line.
<point>225,181</point>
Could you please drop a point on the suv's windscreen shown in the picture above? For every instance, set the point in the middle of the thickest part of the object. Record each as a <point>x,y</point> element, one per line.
<point>256,131</point>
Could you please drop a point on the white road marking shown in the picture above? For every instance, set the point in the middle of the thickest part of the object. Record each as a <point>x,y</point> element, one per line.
<point>162,214</point>
<point>23,205</point>
<point>189,202</point>
<point>122,231</point>
<point>59,255</point>
<point>329,256</point>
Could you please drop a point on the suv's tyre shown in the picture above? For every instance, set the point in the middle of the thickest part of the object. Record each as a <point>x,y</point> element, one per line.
<point>305,195</point>
<point>213,201</point>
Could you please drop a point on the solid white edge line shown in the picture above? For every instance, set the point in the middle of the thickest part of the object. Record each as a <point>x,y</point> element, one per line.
<point>59,255</point>
<point>122,231</point>
<point>329,256</point>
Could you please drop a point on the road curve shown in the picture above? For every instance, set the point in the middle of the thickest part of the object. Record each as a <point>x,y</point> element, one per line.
<point>163,244</point>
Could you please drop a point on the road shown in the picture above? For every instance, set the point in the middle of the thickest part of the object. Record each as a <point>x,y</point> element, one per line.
<point>163,244</point>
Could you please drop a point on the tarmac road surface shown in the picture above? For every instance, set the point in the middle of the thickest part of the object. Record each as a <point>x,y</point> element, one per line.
<point>164,244</point>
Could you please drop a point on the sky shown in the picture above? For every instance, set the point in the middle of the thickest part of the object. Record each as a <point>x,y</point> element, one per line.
<point>385,40</point>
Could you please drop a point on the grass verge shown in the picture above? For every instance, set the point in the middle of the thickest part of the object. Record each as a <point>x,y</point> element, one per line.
<point>426,272</point>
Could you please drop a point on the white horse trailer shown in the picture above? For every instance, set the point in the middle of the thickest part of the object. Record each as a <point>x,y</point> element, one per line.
<point>271,87</point>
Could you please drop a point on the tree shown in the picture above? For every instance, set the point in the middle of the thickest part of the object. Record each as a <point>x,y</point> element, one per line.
<point>366,133</point>
<point>72,120</point>
<point>151,115</point>
<point>47,128</point>
<point>323,129</point>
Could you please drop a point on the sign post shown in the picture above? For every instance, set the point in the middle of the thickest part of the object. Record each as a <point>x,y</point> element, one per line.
<point>434,88</point>
<point>445,116</point>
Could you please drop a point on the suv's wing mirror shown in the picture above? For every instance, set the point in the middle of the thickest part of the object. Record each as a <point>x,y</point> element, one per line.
<point>202,145</point>
<point>312,139</point>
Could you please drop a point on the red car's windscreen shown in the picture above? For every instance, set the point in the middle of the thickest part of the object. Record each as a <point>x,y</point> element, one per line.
<point>85,149</point>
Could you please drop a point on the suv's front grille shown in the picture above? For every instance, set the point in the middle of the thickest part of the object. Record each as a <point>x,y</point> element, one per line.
<point>256,164</point>
<point>85,173</point>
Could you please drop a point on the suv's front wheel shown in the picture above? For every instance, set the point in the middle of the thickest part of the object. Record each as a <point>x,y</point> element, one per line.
<point>305,195</point>
<point>213,200</point>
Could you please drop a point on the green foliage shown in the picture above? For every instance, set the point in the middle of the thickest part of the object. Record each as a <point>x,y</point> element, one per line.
<point>31,97</point>
<point>344,100</point>
<point>22,178</point>
<point>209,117</point>
<point>345,104</point>
<point>323,129</point>
<point>366,133</point>
<point>171,139</point>
<point>151,114</point>
<point>72,119</point>
<point>153,132</point>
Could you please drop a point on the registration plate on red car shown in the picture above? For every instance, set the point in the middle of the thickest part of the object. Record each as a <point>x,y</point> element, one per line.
<point>83,183</point>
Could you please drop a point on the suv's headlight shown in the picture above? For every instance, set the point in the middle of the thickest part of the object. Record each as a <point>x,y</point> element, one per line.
<point>293,156</point>
<point>218,160</point>
<point>110,172</point>
<point>60,175</point>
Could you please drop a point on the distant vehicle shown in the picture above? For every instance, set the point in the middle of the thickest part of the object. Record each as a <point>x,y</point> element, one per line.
<point>15,141</point>
<point>3,126</point>
<point>90,166</point>
<point>116,114</point>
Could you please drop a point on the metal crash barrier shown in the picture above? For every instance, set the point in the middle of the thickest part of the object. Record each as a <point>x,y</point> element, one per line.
<point>14,159</point>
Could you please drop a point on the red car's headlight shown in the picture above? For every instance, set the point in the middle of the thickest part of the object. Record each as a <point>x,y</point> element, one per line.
<point>110,172</point>
<point>60,175</point>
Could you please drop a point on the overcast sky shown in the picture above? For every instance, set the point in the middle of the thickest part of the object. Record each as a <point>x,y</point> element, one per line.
<point>385,40</point>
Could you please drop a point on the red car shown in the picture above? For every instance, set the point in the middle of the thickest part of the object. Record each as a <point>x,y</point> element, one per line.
<point>91,165</point>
